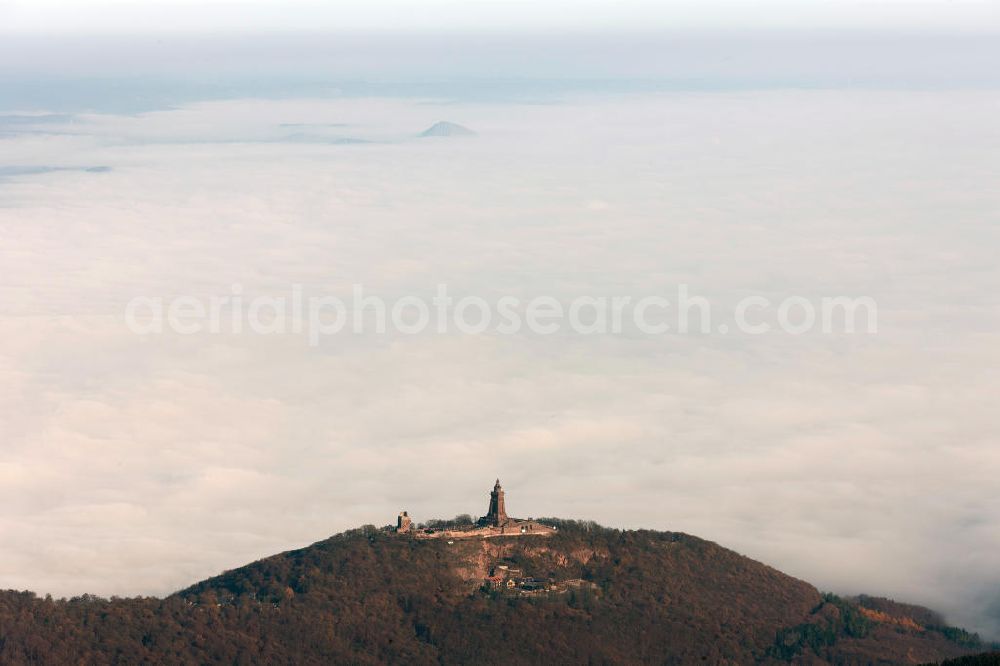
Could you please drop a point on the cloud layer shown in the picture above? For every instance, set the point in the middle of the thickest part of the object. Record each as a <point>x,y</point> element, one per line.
<point>865,463</point>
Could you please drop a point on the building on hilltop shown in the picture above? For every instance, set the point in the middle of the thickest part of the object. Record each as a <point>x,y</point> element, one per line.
<point>495,523</point>
<point>403,522</point>
<point>496,516</point>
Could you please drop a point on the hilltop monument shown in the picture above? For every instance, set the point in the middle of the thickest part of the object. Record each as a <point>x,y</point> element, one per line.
<point>496,515</point>
<point>404,523</point>
<point>495,523</point>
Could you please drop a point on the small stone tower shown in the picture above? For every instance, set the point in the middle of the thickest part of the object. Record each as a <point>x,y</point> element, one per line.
<point>403,522</point>
<point>497,514</point>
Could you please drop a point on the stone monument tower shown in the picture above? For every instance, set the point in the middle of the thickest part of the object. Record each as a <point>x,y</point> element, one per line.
<point>404,523</point>
<point>497,514</point>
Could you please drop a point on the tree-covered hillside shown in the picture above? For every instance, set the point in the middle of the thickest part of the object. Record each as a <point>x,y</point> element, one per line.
<point>371,597</point>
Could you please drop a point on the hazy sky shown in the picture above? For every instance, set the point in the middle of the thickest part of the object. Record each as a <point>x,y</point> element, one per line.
<point>785,159</point>
<point>438,15</point>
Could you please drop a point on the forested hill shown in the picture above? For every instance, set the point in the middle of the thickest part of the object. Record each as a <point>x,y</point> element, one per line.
<point>593,595</point>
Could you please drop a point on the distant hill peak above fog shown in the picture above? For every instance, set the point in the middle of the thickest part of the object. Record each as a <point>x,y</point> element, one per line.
<point>446,128</point>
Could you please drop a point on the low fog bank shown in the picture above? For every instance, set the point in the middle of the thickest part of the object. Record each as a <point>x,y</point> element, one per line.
<point>863,463</point>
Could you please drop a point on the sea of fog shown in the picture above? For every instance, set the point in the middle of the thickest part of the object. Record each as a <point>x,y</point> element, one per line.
<point>862,462</point>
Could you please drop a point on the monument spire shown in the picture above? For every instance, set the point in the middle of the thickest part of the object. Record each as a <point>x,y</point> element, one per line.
<point>497,513</point>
